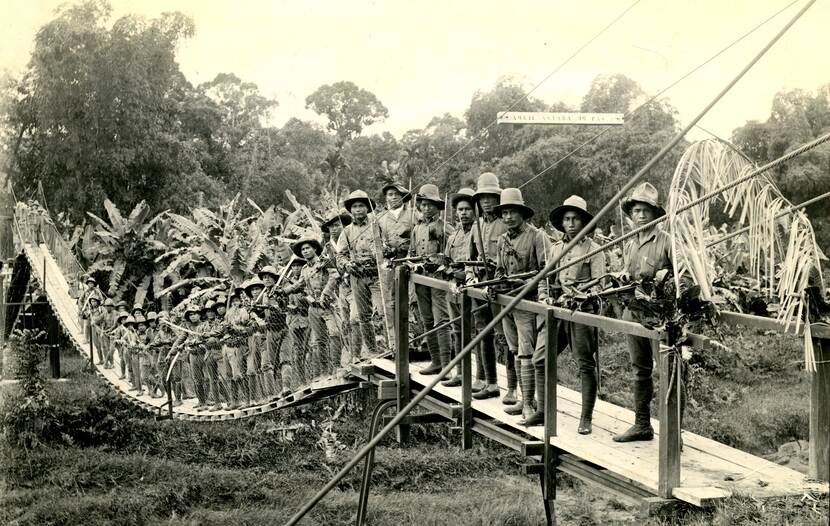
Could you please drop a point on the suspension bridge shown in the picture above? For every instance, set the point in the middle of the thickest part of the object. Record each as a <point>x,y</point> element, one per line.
<point>656,474</point>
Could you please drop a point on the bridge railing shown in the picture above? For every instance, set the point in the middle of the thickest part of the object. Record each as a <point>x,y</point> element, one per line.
<point>669,434</point>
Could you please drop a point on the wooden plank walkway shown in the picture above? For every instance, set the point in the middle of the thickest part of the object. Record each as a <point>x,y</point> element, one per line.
<point>709,470</point>
<point>66,309</point>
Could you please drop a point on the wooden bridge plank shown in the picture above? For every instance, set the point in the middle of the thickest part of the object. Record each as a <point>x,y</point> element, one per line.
<point>704,475</point>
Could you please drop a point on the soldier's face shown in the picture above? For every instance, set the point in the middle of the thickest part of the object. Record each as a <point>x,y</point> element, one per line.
<point>153,324</point>
<point>393,198</point>
<point>335,230</point>
<point>428,208</point>
<point>572,223</point>
<point>255,290</point>
<point>141,327</point>
<point>194,317</point>
<point>210,315</point>
<point>235,301</point>
<point>220,310</point>
<point>268,279</point>
<point>512,217</point>
<point>464,211</point>
<point>359,211</point>
<point>488,203</point>
<point>642,214</point>
<point>308,252</point>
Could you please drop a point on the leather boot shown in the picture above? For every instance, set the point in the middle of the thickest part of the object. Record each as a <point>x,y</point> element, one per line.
<point>518,408</point>
<point>641,430</point>
<point>510,396</point>
<point>453,379</point>
<point>538,417</point>
<point>435,362</point>
<point>589,398</point>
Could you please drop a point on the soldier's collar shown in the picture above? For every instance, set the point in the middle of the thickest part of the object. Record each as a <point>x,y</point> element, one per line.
<point>514,232</point>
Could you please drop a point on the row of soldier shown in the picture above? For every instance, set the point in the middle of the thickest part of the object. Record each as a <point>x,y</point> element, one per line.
<point>348,278</point>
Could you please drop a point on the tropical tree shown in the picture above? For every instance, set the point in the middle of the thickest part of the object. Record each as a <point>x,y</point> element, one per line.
<point>124,250</point>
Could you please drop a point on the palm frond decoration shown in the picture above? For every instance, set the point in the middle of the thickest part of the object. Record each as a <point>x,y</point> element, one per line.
<point>781,252</point>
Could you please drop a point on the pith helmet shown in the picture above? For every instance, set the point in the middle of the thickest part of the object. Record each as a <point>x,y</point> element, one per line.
<point>191,307</point>
<point>163,315</point>
<point>268,270</point>
<point>210,305</point>
<point>140,319</point>
<point>358,196</point>
<point>121,315</point>
<point>488,184</point>
<point>465,194</point>
<point>644,193</point>
<point>298,246</point>
<point>405,193</point>
<point>138,307</point>
<point>109,303</point>
<point>342,218</point>
<point>512,198</point>
<point>152,316</point>
<point>121,303</point>
<point>572,204</point>
<point>89,279</point>
<point>253,282</point>
<point>429,192</point>
<point>129,321</point>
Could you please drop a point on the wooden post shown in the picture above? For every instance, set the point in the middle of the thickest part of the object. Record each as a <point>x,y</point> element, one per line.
<point>466,374</point>
<point>551,381</point>
<point>53,337</point>
<point>819,468</point>
<point>669,455</point>
<point>402,345</point>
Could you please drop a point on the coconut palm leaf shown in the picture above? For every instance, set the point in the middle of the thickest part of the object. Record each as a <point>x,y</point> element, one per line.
<point>781,252</point>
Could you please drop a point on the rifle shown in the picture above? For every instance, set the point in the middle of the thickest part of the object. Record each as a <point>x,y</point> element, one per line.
<point>499,281</point>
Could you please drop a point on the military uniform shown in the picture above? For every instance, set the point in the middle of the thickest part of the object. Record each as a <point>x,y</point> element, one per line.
<point>429,236</point>
<point>581,339</point>
<point>318,281</point>
<point>395,227</point>
<point>356,254</point>
<point>645,255</point>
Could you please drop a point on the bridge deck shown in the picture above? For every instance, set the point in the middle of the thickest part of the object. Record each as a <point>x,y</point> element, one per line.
<point>709,470</point>
<point>66,309</point>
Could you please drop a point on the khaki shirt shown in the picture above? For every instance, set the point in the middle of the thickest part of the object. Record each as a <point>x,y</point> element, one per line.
<point>392,228</point>
<point>319,279</point>
<point>491,230</point>
<point>458,244</point>
<point>428,238</point>
<point>591,268</point>
<point>356,242</point>
<point>644,258</point>
<point>521,251</point>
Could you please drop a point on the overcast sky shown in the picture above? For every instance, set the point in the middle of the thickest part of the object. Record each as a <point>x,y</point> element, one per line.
<point>426,58</point>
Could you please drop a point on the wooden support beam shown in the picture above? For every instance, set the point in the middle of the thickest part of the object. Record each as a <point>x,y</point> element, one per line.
<point>402,346</point>
<point>669,447</point>
<point>388,390</point>
<point>819,460</point>
<point>466,374</point>
<point>551,380</point>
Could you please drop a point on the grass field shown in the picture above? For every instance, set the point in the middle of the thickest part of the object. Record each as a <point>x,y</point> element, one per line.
<point>104,462</point>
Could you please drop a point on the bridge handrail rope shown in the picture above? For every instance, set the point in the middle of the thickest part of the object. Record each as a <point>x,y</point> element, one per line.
<point>534,282</point>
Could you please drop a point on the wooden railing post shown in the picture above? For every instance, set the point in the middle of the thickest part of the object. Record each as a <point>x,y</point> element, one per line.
<point>466,373</point>
<point>819,463</point>
<point>551,381</point>
<point>402,345</point>
<point>669,450</point>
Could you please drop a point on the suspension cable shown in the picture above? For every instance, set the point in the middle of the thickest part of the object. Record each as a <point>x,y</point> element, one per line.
<point>660,93</point>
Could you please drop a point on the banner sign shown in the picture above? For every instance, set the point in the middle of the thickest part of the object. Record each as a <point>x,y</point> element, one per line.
<point>531,117</point>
